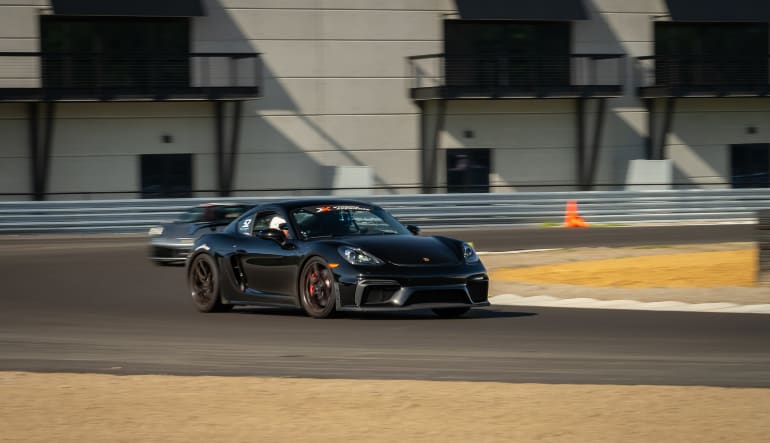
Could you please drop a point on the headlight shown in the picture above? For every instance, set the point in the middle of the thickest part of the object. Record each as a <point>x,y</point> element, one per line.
<point>355,256</point>
<point>469,254</point>
<point>186,241</point>
<point>155,230</point>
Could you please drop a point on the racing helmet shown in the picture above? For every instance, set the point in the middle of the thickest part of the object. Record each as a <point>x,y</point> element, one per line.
<point>276,222</point>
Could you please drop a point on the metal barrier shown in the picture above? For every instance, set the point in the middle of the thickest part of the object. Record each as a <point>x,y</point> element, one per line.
<point>719,72</point>
<point>40,76</point>
<point>426,210</point>
<point>505,75</point>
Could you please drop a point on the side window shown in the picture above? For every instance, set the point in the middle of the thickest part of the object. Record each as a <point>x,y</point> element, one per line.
<point>244,226</point>
<point>262,221</point>
<point>257,223</point>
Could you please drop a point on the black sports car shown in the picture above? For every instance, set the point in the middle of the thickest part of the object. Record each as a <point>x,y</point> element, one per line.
<point>327,255</point>
<point>171,243</point>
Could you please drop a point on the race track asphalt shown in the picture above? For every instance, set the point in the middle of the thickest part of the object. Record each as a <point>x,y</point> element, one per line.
<point>98,305</point>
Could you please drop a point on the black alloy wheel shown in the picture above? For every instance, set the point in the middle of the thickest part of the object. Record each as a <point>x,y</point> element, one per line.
<point>450,312</point>
<point>317,289</point>
<point>203,279</point>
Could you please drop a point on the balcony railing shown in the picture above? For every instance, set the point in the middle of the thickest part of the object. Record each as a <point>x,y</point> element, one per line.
<point>444,76</point>
<point>702,76</point>
<point>34,76</point>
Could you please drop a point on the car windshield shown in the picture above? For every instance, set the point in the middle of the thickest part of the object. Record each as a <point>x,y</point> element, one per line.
<point>211,214</point>
<point>343,220</point>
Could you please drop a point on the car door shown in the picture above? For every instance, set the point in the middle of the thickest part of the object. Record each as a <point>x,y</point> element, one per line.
<point>269,268</point>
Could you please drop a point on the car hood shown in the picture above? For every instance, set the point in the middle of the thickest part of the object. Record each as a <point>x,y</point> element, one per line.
<point>409,249</point>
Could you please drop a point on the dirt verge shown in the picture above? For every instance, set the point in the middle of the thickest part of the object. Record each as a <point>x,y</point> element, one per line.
<point>722,272</point>
<point>104,408</point>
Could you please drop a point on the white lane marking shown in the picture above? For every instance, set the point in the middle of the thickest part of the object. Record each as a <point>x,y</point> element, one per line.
<point>591,303</point>
<point>519,251</point>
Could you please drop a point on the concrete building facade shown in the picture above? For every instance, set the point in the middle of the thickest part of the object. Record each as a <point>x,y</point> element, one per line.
<point>365,97</point>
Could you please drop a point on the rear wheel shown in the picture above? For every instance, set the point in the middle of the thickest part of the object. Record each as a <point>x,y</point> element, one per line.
<point>317,290</point>
<point>450,312</point>
<point>203,279</point>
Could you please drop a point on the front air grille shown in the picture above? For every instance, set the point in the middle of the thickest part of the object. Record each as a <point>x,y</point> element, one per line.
<point>379,294</point>
<point>478,290</point>
<point>433,281</point>
<point>445,296</point>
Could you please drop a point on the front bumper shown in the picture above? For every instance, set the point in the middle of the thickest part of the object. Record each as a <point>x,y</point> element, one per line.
<point>411,290</point>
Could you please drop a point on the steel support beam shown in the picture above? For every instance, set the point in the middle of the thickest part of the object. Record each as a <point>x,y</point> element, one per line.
<point>655,142</point>
<point>227,153</point>
<point>580,155</point>
<point>40,145</point>
<point>234,143</point>
<point>668,120</point>
<point>586,161</point>
<point>649,144</point>
<point>590,177</point>
<point>219,137</point>
<point>432,118</point>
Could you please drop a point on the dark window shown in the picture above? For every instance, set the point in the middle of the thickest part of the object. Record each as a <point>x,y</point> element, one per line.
<point>345,219</point>
<point>99,53</point>
<point>749,165</point>
<point>166,175</point>
<point>501,54</point>
<point>467,170</point>
<point>711,53</point>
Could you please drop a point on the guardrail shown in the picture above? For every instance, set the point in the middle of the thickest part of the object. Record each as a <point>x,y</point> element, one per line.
<point>426,210</point>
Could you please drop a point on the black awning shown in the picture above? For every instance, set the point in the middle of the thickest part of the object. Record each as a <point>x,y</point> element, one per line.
<point>719,10</point>
<point>551,10</point>
<point>132,8</point>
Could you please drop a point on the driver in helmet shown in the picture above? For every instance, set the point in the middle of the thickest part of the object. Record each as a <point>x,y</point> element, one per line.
<point>279,222</point>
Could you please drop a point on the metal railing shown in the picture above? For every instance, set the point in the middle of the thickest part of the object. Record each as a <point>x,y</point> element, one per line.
<point>715,72</point>
<point>73,76</point>
<point>511,72</point>
<point>426,210</point>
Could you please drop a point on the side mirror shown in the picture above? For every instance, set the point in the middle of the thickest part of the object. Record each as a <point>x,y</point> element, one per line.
<point>413,229</point>
<point>273,234</point>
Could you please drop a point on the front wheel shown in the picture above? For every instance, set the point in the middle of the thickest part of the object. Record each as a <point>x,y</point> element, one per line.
<point>317,289</point>
<point>450,312</point>
<point>203,279</point>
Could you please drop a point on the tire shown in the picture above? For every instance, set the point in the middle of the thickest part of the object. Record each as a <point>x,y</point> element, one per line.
<point>317,289</point>
<point>203,280</point>
<point>450,312</point>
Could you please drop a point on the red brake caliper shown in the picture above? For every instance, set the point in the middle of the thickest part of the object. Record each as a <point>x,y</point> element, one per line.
<point>313,278</point>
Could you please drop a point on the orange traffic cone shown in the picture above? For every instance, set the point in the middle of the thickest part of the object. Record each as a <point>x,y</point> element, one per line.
<point>571,217</point>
